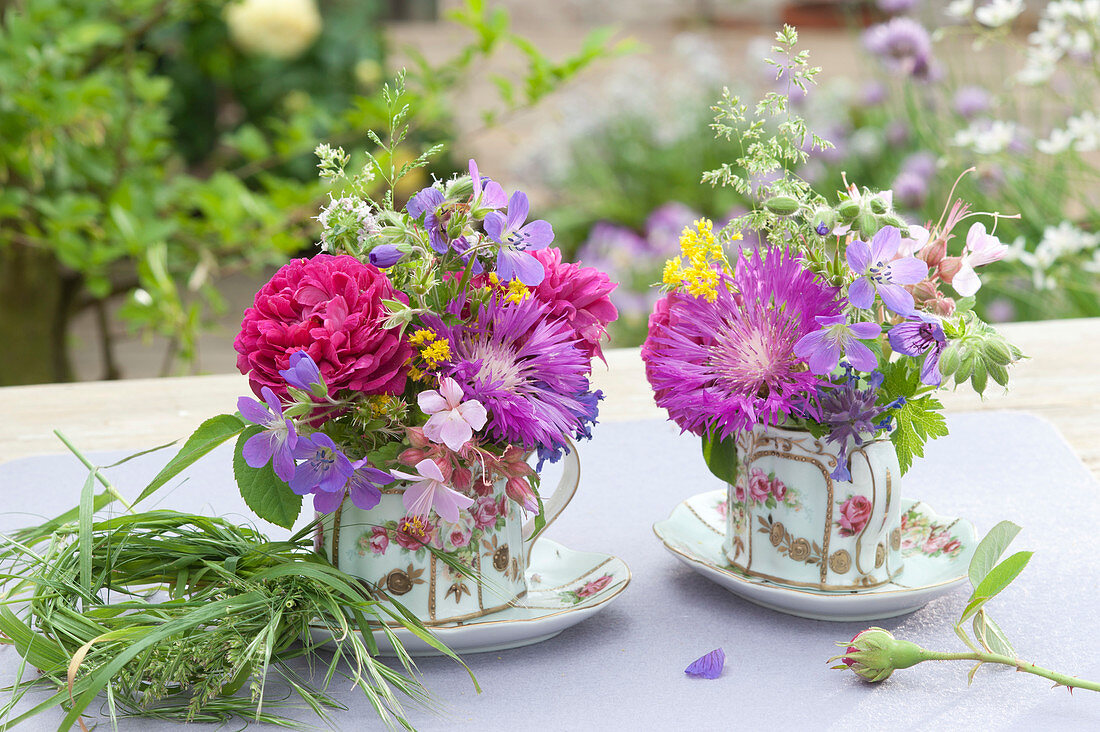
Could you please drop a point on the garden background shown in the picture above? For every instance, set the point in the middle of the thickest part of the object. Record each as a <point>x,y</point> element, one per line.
<point>156,157</point>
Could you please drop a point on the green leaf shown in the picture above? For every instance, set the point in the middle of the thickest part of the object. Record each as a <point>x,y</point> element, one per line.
<point>84,537</point>
<point>265,493</point>
<point>721,457</point>
<point>917,421</point>
<point>998,578</point>
<point>990,635</point>
<point>990,549</point>
<point>209,435</point>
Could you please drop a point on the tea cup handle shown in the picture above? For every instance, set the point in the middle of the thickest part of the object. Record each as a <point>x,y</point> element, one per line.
<point>560,498</point>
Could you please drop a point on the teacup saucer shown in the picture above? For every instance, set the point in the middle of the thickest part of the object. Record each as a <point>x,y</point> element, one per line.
<point>936,550</point>
<point>564,588</point>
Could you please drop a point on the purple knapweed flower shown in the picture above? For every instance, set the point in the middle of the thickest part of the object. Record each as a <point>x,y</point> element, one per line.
<point>879,272</point>
<point>822,348</point>
<point>514,260</point>
<point>385,255</point>
<point>277,441</point>
<point>921,333</point>
<point>487,192</point>
<point>325,469</point>
<point>303,372</point>
<point>910,189</point>
<point>525,368</point>
<point>720,367</point>
<point>709,666</point>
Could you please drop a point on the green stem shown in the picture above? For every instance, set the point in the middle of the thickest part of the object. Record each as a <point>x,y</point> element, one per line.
<point>98,475</point>
<point>1019,665</point>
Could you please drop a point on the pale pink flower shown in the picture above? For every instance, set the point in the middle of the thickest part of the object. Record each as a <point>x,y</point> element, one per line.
<point>430,492</point>
<point>452,421</point>
<point>981,248</point>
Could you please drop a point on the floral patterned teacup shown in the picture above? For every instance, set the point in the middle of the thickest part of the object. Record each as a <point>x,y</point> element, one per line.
<point>387,548</point>
<point>789,521</point>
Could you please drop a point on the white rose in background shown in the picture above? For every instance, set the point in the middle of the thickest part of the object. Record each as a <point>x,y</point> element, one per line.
<point>282,29</point>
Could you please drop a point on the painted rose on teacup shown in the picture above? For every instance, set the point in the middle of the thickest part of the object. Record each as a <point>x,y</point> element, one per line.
<point>854,514</point>
<point>591,588</point>
<point>759,486</point>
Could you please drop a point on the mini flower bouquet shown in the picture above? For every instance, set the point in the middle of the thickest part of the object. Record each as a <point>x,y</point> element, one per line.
<point>421,357</point>
<point>823,346</point>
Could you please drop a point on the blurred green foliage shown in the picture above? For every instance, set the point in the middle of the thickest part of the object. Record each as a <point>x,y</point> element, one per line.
<point>143,154</point>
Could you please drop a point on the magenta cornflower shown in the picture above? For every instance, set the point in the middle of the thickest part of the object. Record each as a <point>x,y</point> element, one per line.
<point>526,369</point>
<point>720,367</point>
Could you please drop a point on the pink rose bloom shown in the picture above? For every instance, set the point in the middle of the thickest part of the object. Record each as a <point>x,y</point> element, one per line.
<point>578,294</point>
<point>379,540</point>
<point>951,546</point>
<point>854,514</point>
<point>722,508</point>
<point>484,512</point>
<point>739,491</point>
<point>759,486</point>
<point>594,586</point>
<point>330,307</point>
<point>779,489</point>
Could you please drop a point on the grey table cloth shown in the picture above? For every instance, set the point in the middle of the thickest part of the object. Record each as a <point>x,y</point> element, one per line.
<point>623,668</point>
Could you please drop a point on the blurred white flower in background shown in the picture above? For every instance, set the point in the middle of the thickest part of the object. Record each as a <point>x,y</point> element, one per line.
<point>1059,243</point>
<point>987,137</point>
<point>283,29</point>
<point>999,12</point>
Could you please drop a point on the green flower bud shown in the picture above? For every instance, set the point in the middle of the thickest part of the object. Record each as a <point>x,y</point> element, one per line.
<point>868,225</point>
<point>949,360</point>
<point>878,205</point>
<point>824,219</point>
<point>460,188</point>
<point>847,211</point>
<point>782,205</point>
<point>965,368</point>
<point>998,373</point>
<point>875,653</point>
<point>980,377</point>
<point>996,350</point>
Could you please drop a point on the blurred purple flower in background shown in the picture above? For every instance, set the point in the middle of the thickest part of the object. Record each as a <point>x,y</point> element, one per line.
<point>896,7</point>
<point>971,101</point>
<point>904,45</point>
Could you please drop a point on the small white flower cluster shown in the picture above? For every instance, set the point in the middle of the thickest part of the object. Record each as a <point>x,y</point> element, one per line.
<point>1067,28</point>
<point>1059,244</point>
<point>1082,133</point>
<point>344,215</point>
<point>987,137</point>
<point>997,13</point>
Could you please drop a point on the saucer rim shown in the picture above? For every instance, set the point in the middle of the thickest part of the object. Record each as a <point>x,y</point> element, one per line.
<point>454,627</point>
<point>767,584</point>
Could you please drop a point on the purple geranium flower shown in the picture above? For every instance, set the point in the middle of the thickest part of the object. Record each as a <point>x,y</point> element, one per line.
<point>526,370</point>
<point>921,333</point>
<point>850,413</point>
<point>822,348</point>
<point>487,192</point>
<point>363,485</point>
<point>709,666</point>
<point>516,239</point>
<point>429,203</point>
<point>277,441</point>
<point>385,255</point>
<point>879,272</point>
<point>325,469</point>
<point>303,372</point>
